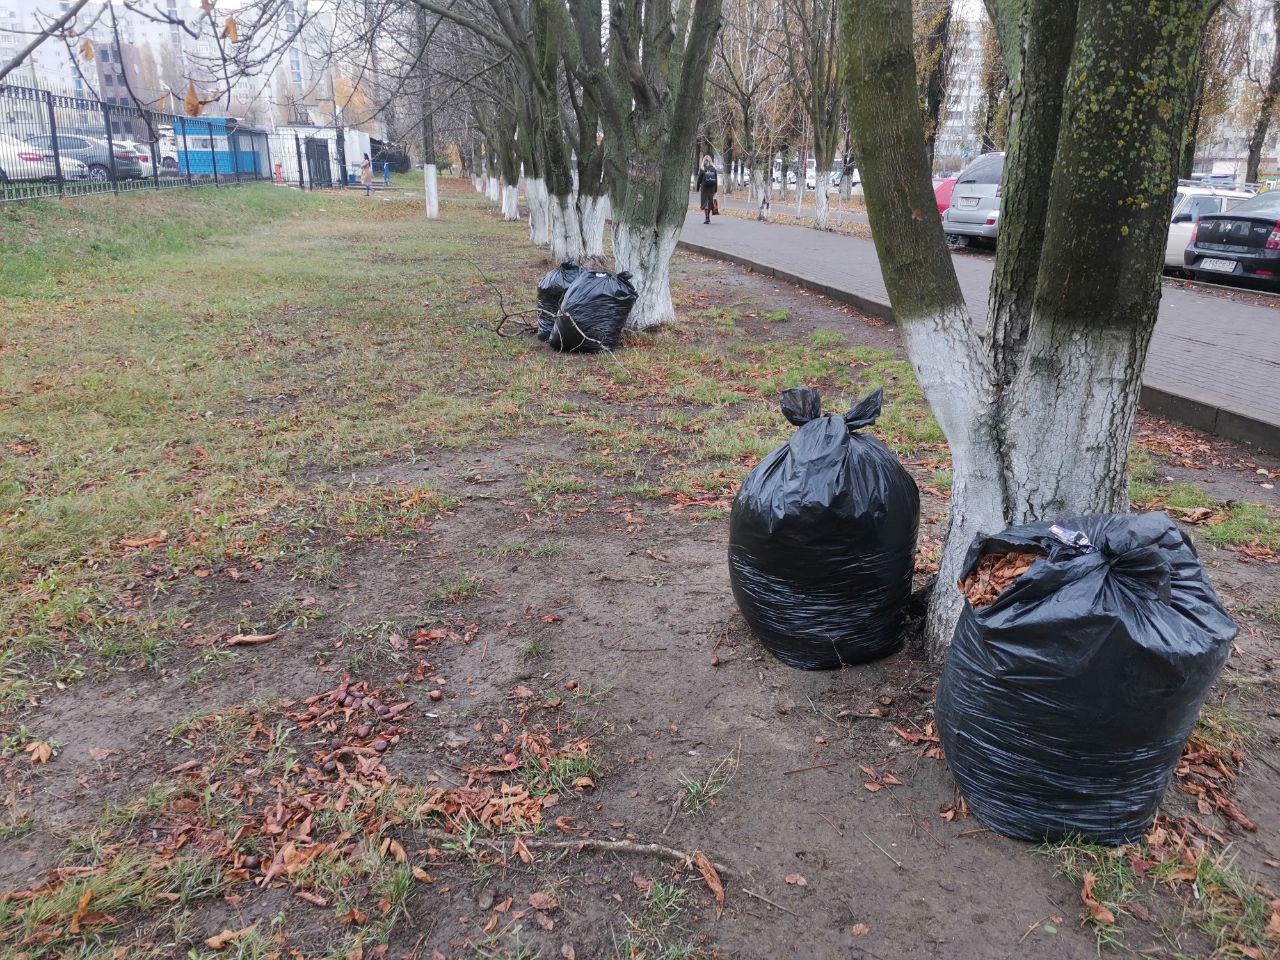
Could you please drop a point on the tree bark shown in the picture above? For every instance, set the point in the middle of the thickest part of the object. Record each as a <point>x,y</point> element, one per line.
<point>1266,107</point>
<point>1040,431</point>
<point>649,93</point>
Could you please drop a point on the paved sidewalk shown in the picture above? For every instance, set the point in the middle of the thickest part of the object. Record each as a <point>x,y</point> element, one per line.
<point>1213,364</point>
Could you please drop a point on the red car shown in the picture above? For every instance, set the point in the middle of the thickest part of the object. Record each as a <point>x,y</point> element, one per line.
<point>942,192</point>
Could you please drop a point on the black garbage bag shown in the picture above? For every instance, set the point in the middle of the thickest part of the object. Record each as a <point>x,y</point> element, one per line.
<point>593,312</point>
<point>1064,705</point>
<point>551,291</point>
<point>822,540</point>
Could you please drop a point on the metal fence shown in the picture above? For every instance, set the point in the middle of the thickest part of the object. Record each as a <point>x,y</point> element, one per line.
<point>53,145</point>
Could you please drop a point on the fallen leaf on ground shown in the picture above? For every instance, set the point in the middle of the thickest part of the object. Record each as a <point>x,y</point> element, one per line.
<point>153,541</point>
<point>1097,911</point>
<point>712,879</point>
<point>542,901</point>
<point>38,751</point>
<point>220,941</point>
<point>250,639</point>
<point>860,930</point>
<point>81,909</point>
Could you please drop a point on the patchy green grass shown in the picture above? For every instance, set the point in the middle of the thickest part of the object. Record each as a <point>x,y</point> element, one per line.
<point>1233,524</point>
<point>700,793</point>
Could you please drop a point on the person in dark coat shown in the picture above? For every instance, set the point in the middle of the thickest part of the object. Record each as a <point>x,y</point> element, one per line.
<point>708,183</point>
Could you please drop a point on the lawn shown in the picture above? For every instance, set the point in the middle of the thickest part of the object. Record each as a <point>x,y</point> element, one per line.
<point>342,618</point>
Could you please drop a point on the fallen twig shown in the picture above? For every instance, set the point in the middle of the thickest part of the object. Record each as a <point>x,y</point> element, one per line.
<point>584,843</point>
<point>882,849</point>
<point>816,766</point>
<point>751,893</point>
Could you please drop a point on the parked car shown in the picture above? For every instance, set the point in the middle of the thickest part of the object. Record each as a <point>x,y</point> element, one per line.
<point>1193,201</point>
<point>975,201</point>
<point>942,193</point>
<point>20,160</point>
<point>1243,242</point>
<point>94,154</point>
<point>142,151</point>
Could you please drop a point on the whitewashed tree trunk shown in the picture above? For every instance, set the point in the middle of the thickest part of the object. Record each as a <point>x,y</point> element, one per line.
<point>431,190</point>
<point>539,212</point>
<point>510,203</point>
<point>822,207</point>
<point>566,234</point>
<point>1066,458</point>
<point>646,253</point>
<point>764,194</point>
<point>801,187</point>
<point>593,212</point>
<point>494,192</point>
<point>478,183</point>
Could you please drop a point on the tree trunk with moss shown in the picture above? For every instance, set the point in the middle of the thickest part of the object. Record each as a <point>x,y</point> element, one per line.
<point>1037,403</point>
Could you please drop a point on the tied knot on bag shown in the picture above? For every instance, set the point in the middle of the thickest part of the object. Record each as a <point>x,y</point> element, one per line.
<point>1138,553</point>
<point>800,405</point>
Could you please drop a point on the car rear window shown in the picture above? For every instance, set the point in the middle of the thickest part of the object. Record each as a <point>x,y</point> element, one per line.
<point>1267,204</point>
<point>984,170</point>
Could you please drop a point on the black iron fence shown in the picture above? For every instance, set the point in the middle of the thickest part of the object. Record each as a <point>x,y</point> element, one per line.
<point>53,145</point>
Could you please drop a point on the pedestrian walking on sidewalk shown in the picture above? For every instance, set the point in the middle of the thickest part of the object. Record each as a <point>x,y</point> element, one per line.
<point>708,182</point>
<point>366,175</point>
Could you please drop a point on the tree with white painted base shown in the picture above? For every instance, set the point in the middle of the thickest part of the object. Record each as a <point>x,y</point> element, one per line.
<point>648,92</point>
<point>749,73</point>
<point>1037,403</point>
<point>809,32</point>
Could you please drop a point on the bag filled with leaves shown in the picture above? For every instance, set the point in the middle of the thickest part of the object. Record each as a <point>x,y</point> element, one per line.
<point>551,291</point>
<point>1074,677</point>
<point>593,312</point>
<point>822,540</point>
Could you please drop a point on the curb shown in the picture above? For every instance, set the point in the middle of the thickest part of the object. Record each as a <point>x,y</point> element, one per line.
<point>1185,410</point>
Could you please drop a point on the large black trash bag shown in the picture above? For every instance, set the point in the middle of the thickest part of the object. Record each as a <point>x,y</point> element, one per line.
<point>822,540</point>
<point>593,312</point>
<point>1064,705</point>
<point>551,291</point>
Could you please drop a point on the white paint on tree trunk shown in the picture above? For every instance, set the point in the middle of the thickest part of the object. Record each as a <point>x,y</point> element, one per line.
<point>539,212</point>
<point>956,376</point>
<point>823,206</point>
<point>764,194</point>
<point>1066,458</point>
<point>510,203</point>
<point>431,190</point>
<point>494,193</point>
<point>593,212</point>
<point>478,183</point>
<point>646,253</point>
<point>566,235</point>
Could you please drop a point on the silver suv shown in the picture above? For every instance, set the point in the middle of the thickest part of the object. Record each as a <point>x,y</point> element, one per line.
<point>975,201</point>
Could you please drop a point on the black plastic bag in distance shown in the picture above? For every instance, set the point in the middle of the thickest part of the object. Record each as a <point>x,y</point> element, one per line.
<point>1065,704</point>
<point>593,312</point>
<point>551,291</point>
<point>822,540</point>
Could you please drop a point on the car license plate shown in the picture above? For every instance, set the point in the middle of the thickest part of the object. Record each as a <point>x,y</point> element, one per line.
<point>966,201</point>
<point>1227,266</point>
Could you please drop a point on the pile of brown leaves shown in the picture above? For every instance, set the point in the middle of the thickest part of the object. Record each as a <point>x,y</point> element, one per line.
<point>278,835</point>
<point>992,575</point>
<point>1206,772</point>
<point>493,804</point>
